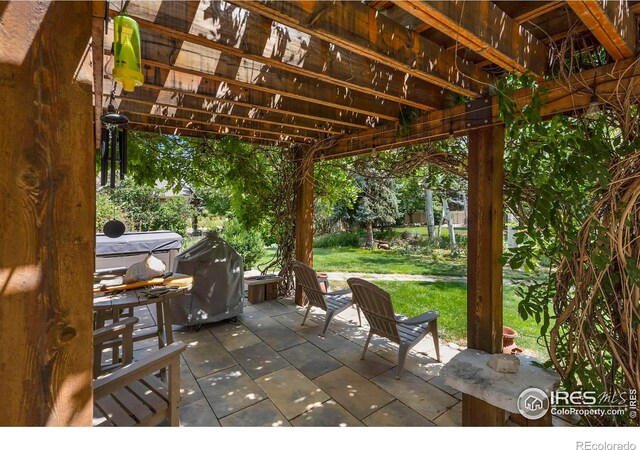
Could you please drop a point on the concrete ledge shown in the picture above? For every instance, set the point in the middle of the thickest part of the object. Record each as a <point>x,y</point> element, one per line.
<point>468,373</point>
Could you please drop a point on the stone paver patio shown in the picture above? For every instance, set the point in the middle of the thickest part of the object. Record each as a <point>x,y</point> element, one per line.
<point>269,370</point>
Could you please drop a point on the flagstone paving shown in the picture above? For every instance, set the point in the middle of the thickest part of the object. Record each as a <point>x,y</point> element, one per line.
<point>266,369</point>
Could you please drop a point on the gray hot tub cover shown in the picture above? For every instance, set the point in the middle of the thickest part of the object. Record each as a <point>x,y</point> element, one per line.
<point>218,285</point>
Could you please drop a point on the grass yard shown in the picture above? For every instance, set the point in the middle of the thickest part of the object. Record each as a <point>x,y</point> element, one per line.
<point>450,300</point>
<point>391,261</point>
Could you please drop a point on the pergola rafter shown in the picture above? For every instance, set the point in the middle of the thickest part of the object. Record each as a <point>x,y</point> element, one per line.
<point>485,29</point>
<point>364,31</point>
<point>192,106</point>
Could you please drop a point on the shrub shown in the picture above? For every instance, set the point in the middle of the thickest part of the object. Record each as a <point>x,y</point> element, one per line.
<point>342,239</point>
<point>107,209</point>
<point>248,243</point>
<point>143,210</point>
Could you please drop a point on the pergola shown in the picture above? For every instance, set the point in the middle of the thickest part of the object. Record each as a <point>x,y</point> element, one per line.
<point>331,79</point>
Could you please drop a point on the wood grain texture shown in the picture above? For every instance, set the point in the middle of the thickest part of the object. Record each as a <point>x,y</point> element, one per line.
<point>233,30</point>
<point>241,61</point>
<point>484,271</point>
<point>203,128</point>
<point>47,197</point>
<point>160,77</point>
<point>484,28</point>
<point>610,81</point>
<point>304,213</point>
<point>612,23</point>
<point>362,30</point>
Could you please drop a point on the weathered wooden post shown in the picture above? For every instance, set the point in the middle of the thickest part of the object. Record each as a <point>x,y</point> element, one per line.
<point>47,199</point>
<point>484,271</point>
<point>304,213</point>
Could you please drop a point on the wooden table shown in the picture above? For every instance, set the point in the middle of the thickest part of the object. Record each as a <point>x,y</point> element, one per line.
<point>109,306</point>
<point>263,287</point>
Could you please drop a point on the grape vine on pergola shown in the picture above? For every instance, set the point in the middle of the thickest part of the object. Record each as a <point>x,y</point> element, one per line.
<point>325,79</point>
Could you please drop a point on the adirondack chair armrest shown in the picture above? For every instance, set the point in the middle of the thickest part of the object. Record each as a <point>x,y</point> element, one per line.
<point>340,292</point>
<point>422,318</point>
<point>137,370</point>
<point>318,291</point>
<point>114,330</point>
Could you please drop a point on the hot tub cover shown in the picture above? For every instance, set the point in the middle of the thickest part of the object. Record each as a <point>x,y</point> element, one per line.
<point>133,243</point>
<point>218,285</point>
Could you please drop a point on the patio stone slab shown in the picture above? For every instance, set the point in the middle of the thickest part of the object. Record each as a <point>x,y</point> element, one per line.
<point>230,390</point>
<point>293,321</point>
<point>206,355</point>
<point>234,336</point>
<point>310,360</point>
<point>328,342</point>
<point>451,418</point>
<point>197,414</point>
<point>273,308</point>
<point>416,363</point>
<point>291,391</point>
<point>328,414</point>
<point>416,393</point>
<point>263,414</point>
<point>396,414</point>
<point>356,394</point>
<point>259,359</point>
<point>371,366</point>
<point>275,334</point>
<point>189,388</point>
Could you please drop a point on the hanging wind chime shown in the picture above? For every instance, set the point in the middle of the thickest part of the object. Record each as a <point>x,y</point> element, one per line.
<point>113,143</point>
<point>127,71</point>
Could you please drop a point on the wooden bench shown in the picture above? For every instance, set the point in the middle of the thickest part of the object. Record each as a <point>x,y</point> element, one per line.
<point>134,395</point>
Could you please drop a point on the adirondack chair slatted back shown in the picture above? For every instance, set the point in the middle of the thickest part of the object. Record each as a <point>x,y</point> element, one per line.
<point>307,278</point>
<point>377,307</point>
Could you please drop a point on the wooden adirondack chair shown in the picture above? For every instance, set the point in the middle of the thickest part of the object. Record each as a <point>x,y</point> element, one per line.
<point>378,309</point>
<point>331,302</point>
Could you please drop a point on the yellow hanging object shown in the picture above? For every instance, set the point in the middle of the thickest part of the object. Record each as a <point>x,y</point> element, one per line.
<point>126,52</point>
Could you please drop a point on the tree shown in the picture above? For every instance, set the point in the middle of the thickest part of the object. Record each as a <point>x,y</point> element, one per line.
<point>376,204</point>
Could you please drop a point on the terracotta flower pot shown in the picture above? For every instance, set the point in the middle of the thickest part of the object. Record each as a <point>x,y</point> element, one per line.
<point>508,341</point>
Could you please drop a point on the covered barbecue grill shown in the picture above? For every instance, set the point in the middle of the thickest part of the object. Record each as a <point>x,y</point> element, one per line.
<point>218,277</point>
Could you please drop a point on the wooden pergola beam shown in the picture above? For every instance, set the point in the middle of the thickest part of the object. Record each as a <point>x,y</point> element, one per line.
<point>364,31</point>
<point>164,100</point>
<point>162,119</point>
<point>220,92</point>
<point>609,80</point>
<point>168,53</point>
<point>612,23</point>
<point>177,130</point>
<point>539,11</point>
<point>315,59</point>
<point>486,29</point>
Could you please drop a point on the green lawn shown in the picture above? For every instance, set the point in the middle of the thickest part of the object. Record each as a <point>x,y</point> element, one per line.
<point>391,261</point>
<point>450,300</point>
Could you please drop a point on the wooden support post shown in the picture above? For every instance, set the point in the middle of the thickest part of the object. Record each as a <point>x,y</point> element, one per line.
<point>484,271</point>
<point>304,215</point>
<point>47,199</point>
